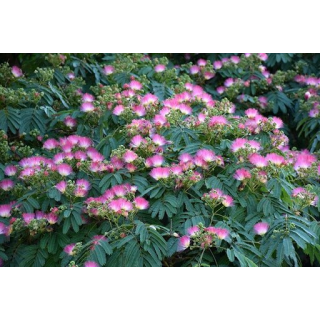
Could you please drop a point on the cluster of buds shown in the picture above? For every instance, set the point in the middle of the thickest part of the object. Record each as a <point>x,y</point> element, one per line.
<point>216,197</point>
<point>119,201</point>
<point>200,237</point>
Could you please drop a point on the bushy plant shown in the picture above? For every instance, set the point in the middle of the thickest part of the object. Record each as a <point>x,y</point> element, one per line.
<point>153,160</point>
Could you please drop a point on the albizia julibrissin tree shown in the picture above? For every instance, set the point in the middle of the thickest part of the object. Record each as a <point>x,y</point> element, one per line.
<point>154,171</point>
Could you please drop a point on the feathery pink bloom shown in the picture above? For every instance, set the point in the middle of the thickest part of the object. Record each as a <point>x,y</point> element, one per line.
<point>160,173</point>
<point>87,107</point>
<point>71,76</point>
<point>90,264</point>
<point>208,75</point>
<point>120,204</point>
<point>229,82</point>
<point>227,201</point>
<point>258,160</point>
<point>201,62</point>
<point>211,230</point>
<point>304,161</point>
<point>5,210</point>
<point>176,170</point>
<point>298,191</point>
<point>261,228</point>
<point>221,89</point>
<point>194,69</point>
<point>217,64</point>
<point>28,217</point>
<point>183,244</point>
<point>70,122</point>
<point>84,142</point>
<point>251,113</point>
<point>222,233</point>
<point>108,69</point>
<point>235,59</point>
<point>69,249</point>
<point>159,68</point>
<point>242,174</point>
<point>135,85</point>
<point>139,110</point>
<point>3,230</point>
<point>206,155</point>
<point>17,72</point>
<point>185,157</point>
<point>278,122</point>
<point>6,184</point>
<point>52,218</point>
<point>51,144</point>
<point>40,215</point>
<point>159,140</point>
<point>159,120</point>
<point>149,99</point>
<point>238,144</point>
<point>155,161</point>
<point>129,156</point>
<point>263,56</point>
<point>193,230</point>
<point>136,141</point>
<point>64,169</point>
<point>218,120</point>
<point>276,159</point>
<point>87,97</point>
<point>10,170</point>
<point>141,203</point>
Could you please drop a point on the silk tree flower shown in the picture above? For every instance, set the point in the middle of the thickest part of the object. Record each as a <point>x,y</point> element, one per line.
<point>3,229</point>
<point>139,110</point>
<point>84,142</point>
<point>261,228</point>
<point>251,113</point>
<point>206,155</point>
<point>155,161</point>
<point>235,59</point>
<point>208,75</point>
<point>304,161</point>
<point>87,107</point>
<point>121,206</point>
<point>159,140</point>
<point>149,99</point>
<point>141,203</point>
<point>278,122</point>
<point>183,243</point>
<point>159,68</point>
<point>121,190</point>
<point>276,159</point>
<point>137,140</point>
<point>217,64</point>
<point>5,210</point>
<point>227,201</point>
<point>258,160</point>
<point>71,76</point>
<point>52,218</point>
<point>108,69</point>
<point>87,97</point>
<point>90,264</point>
<point>194,70</point>
<point>64,169</point>
<point>82,188</point>
<point>28,217</point>
<point>221,233</point>
<point>118,110</point>
<point>51,144</point>
<point>263,56</point>
<point>193,230</point>
<point>135,85</point>
<point>242,174</point>
<point>201,62</point>
<point>6,184</point>
<point>130,156</point>
<point>160,173</point>
<point>159,120</point>
<point>16,71</point>
<point>218,120</point>
<point>229,82</point>
<point>69,249</point>
<point>70,122</point>
<point>10,170</point>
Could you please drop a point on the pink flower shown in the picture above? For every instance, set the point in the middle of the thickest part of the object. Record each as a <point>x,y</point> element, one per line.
<point>278,122</point>
<point>221,89</point>
<point>90,264</point>
<point>298,191</point>
<point>258,160</point>
<point>159,140</point>
<point>217,64</point>
<point>155,161</point>
<point>87,107</point>
<point>119,205</point>
<point>70,122</point>
<point>263,56</point>
<point>51,144</point>
<point>159,68</point>
<point>139,110</point>
<point>229,82</point>
<point>218,120</point>
<point>17,72</point>
<point>87,97</point>
<point>6,184</point>
<point>304,161</point>
<point>149,99</point>
<point>206,155</point>
<point>118,110</point>
<point>28,217</point>
<point>64,169</point>
<point>129,156</point>
<point>261,228</point>
<point>242,174</point>
<point>69,249</point>
<point>5,210</point>
<point>183,244</point>
<point>251,113</point>
<point>194,69</point>
<point>227,201</point>
<point>84,142</point>
<point>136,141</point>
<point>141,203</point>
<point>52,218</point>
<point>160,173</point>
<point>108,69</point>
<point>235,59</point>
<point>275,159</point>
<point>135,85</point>
<point>238,144</point>
<point>208,75</point>
<point>201,62</point>
<point>10,170</point>
<point>3,230</point>
<point>193,230</point>
<point>222,233</point>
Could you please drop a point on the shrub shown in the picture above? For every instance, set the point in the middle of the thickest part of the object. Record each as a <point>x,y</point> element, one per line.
<point>135,160</point>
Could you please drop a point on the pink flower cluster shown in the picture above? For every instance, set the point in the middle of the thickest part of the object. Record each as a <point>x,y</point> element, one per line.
<point>118,201</point>
<point>216,196</point>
